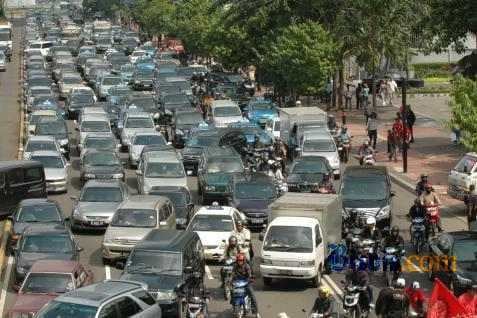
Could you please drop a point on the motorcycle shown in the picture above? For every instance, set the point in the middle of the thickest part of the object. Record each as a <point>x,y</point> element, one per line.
<point>351,302</point>
<point>241,302</point>
<point>195,306</point>
<point>368,160</point>
<point>433,216</point>
<point>344,148</point>
<point>227,277</point>
<point>418,234</point>
<point>392,257</point>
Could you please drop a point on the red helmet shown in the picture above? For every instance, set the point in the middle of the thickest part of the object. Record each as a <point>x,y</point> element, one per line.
<point>240,257</point>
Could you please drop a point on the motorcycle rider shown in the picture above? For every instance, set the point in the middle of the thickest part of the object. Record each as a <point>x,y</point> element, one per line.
<point>372,233</point>
<point>344,137</point>
<point>324,302</point>
<point>359,277</point>
<point>231,251</point>
<point>416,297</point>
<point>420,186</point>
<point>243,239</point>
<point>332,123</point>
<point>365,150</point>
<point>393,240</point>
<point>430,198</point>
<point>393,302</point>
<point>243,271</point>
<point>417,211</point>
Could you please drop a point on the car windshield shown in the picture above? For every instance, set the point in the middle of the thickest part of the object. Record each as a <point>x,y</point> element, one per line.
<point>43,283</point>
<point>40,145</point>
<point>165,263</point>
<point>101,159</point>
<point>201,141</point>
<point>38,213</point>
<point>47,243</point>
<point>53,162</point>
<point>179,199</point>
<point>211,223</point>
<point>147,140</point>
<point>95,126</point>
<point>100,143</point>
<point>71,80</point>
<point>310,166</point>
<point>364,189</point>
<point>101,194</point>
<point>465,250</point>
<point>227,111</point>
<point>296,239</point>
<point>176,99</point>
<point>135,218</point>
<point>164,170</point>
<point>255,191</point>
<point>466,164</point>
<point>37,118</point>
<point>57,309</point>
<point>225,165</point>
<point>83,98</point>
<point>189,119</point>
<point>318,146</point>
<point>56,128</point>
<point>139,123</point>
<point>40,91</point>
<point>109,81</point>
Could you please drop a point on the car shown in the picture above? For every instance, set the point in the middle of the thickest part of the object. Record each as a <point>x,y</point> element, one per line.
<point>223,112</point>
<point>321,143</point>
<point>217,167</point>
<point>118,94</point>
<point>93,124</point>
<point>172,103</point>
<point>45,281</point>
<point>307,172</point>
<point>139,141</point>
<point>110,298</point>
<point>129,44</point>
<point>251,194</point>
<point>68,81</point>
<point>133,220</point>
<point>58,130</point>
<point>455,252</point>
<point>56,170</point>
<point>136,54</point>
<point>126,72</point>
<point>3,61</point>
<point>45,241</point>
<point>195,144</point>
<point>104,142</point>
<point>135,122</point>
<point>142,78</point>
<point>98,164</point>
<point>159,169</point>
<point>38,143</point>
<point>182,123</point>
<point>260,111</point>
<point>106,83</point>
<point>182,201</point>
<point>36,91</point>
<point>215,224</point>
<point>367,191</point>
<point>40,116</point>
<point>78,98</point>
<point>163,260</point>
<point>32,212</point>
<point>96,204</point>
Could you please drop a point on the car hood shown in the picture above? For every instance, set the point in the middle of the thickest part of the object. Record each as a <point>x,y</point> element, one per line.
<point>172,182</point>
<point>103,169</point>
<point>218,178</point>
<point>126,233</point>
<point>213,238</point>
<point>26,260</point>
<point>305,178</point>
<point>363,204</point>
<point>266,114</point>
<point>26,303</point>
<point>98,208</point>
<point>251,204</point>
<point>223,121</point>
<point>52,174</point>
<point>165,283</point>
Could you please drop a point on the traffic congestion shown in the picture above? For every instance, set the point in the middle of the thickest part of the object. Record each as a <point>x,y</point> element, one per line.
<point>154,184</point>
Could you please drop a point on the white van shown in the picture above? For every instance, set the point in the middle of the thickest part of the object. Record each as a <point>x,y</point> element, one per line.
<point>462,176</point>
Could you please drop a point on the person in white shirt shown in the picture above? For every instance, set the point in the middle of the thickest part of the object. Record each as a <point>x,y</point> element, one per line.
<point>372,128</point>
<point>391,88</point>
<point>244,239</point>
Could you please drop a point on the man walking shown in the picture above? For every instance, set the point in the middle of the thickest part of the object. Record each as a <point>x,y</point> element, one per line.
<point>348,95</point>
<point>410,121</point>
<point>372,127</point>
<point>358,95</point>
<point>391,89</point>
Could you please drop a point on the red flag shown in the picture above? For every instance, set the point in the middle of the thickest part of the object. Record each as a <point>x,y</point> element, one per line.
<point>443,303</point>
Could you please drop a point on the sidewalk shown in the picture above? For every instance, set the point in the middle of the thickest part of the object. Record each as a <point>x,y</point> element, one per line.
<point>432,152</point>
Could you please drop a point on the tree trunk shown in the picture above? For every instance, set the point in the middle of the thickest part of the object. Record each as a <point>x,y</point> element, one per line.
<point>333,94</point>
<point>341,86</point>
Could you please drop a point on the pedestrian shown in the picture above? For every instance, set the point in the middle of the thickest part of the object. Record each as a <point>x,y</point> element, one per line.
<point>410,121</point>
<point>365,95</point>
<point>456,132</point>
<point>372,127</point>
<point>383,91</point>
<point>348,95</point>
<point>470,200</point>
<point>358,95</point>
<point>392,146</point>
<point>391,89</point>
<point>398,132</point>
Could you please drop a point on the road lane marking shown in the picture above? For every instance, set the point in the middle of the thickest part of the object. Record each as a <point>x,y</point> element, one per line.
<point>6,281</point>
<point>417,268</point>
<point>107,271</point>
<point>332,285</point>
<point>208,273</point>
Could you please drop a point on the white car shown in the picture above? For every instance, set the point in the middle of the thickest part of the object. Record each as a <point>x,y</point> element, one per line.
<point>40,116</point>
<point>214,225</point>
<point>38,143</point>
<point>56,169</point>
<point>136,55</point>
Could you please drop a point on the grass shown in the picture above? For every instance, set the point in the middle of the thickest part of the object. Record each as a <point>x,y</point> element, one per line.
<point>437,80</point>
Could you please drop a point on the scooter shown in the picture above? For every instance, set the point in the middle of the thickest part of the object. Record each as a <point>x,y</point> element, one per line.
<point>241,302</point>
<point>418,234</point>
<point>392,257</point>
<point>351,302</point>
<point>433,215</point>
<point>343,150</point>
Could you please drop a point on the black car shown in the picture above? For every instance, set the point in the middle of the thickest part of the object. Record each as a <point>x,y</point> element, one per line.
<point>75,102</point>
<point>307,172</point>
<point>166,260</point>
<point>46,241</point>
<point>367,191</point>
<point>182,200</point>
<point>251,195</point>
<point>194,146</point>
<point>453,259</point>
<point>95,164</point>
<point>182,123</point>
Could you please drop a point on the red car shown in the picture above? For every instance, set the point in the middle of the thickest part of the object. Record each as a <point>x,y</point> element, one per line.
<point>46,280</point>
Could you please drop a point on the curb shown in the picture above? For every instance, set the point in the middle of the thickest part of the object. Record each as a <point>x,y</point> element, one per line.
<point>3,246</point>
<point>401,182</point>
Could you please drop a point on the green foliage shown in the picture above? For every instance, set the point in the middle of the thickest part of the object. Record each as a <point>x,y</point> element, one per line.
<point>301,58</point>
<point>423,70</point>
<point>155,16</point>
<point>464,110</point>
<point>107,7</point>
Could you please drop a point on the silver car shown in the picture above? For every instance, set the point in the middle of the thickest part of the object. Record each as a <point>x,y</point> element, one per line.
<point>135,122</point>
<point>93,124</point>
<point>139,140</point>
<point>97,203</point>
<point>224,112</point>
<point>37,143</point>
<point>56,169</point>
<point>321,143</point>
<point>107,82</point>
<point>133,220</point>
<point>106,142</point>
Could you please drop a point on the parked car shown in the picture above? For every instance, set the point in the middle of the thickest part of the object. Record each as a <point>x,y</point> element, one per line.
<point>56,169</point>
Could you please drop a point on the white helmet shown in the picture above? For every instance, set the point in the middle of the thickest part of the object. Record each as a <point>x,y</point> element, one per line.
<point>371,221</point>
<point>400,283</point>
<point>416,285</point>
<point>298,103</point>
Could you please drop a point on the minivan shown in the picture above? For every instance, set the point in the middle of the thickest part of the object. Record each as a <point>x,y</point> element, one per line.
<point>134,219</point>
<point>169,259</point>
<point>20,180</point>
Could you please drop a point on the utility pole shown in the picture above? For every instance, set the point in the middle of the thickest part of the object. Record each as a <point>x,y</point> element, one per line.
<point>404,123</point>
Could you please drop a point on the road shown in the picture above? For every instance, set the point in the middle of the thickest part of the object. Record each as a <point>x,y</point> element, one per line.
<point>288,297</point>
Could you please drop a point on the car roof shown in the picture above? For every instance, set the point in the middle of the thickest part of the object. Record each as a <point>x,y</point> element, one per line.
<point>10,164</point>
<point>220,151</point>
<point>45,228</point>
<point>143,202</point>
<point>161,156</point>
<point>94,117</point>
<point>44,112</point>
<point>96,294</point>
<point>54,266</point>
<point>317,134</point>
<point>138,114</point>
<point>37,201</point>
<point>215,210</point>
<point>46,153</point>
<point>166,240</point>
<point>254,177</point>
<point>100,136</point>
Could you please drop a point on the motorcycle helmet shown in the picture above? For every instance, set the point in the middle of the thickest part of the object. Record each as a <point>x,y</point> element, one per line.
<point>324,290</point>
<point>400,283</point>
<point>416,285</point>
<point>371,221</point>
<point>394,231</point>
<point>240,258</point>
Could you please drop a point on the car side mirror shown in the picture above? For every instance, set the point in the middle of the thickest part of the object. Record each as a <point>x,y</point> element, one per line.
<point>318,241</point>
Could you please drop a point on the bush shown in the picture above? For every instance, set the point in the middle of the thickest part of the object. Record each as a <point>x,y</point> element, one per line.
<point>424,70</point>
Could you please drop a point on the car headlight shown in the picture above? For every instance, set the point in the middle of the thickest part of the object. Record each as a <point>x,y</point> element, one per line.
<point>181,221</point>
<point>210,188</point>
<point>462,280</point>
<point>384,212</point>
<point>117,175</point>
<point>166,295</point>
<point>266,261</point>
<point>308,263</point>
<point>90,175</point>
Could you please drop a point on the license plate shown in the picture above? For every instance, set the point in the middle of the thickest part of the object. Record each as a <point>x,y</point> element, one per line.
<point>97,222</point>
<point>256,221</point>
<point>284,272</point>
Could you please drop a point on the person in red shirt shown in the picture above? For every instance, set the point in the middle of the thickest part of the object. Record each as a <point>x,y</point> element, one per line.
<point>397,130</point>
<point>468,300</point>
<point>416,298</point>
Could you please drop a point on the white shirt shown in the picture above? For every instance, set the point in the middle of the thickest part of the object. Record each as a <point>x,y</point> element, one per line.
<point>392,86</point>
<point>242,236</point>
<point>372,124</point>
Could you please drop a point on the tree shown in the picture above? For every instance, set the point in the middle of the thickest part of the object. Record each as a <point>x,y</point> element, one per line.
<point>155,16</point>
<point>464,110</point>
<point>300,58</point>
<point>107,7</point>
